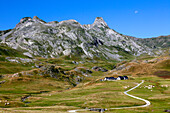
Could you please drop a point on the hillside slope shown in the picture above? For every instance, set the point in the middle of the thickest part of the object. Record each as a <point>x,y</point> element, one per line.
<point>156,42</point>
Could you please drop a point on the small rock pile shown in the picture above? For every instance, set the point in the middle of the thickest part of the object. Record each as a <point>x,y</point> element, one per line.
<point>96,68</point>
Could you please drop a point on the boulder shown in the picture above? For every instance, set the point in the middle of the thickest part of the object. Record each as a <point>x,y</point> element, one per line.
<point>96,68</point>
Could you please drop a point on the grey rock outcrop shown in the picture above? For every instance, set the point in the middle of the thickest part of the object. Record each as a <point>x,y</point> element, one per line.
<point>53,39</point>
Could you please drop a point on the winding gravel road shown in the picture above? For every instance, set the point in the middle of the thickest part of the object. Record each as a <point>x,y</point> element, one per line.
<point>146,101</point>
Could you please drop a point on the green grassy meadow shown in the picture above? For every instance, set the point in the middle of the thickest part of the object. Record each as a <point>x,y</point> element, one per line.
<point>50,95</point>
<point>100,94</point>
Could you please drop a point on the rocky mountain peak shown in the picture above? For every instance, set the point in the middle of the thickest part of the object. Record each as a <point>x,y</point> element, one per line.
<point>99,18</point>
<point>99,22</point>
<point>35,18</point>
<point>69,22</point>
<point>25,19</point>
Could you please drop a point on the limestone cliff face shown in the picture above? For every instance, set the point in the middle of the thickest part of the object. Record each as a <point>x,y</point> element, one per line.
<point>53,39</point>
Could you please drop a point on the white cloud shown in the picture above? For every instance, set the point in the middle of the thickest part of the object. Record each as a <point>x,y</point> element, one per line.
<point>136,12</point>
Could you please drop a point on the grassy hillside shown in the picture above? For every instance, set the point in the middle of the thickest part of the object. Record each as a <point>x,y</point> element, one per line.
<point>7,51</point>
<point>147,67</point>
<point>12,67</point>
<point>96,95</point>
<point>7,67</point>
<point>18,87</point>
<point>48,84</point>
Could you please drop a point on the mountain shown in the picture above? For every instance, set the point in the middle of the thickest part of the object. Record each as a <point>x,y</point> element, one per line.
<point>53,39</point>
<point>4,32</point>
<point>156,42</point>
<point>159,45</point>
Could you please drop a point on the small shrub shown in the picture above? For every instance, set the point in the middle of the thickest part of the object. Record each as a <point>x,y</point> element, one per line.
<point>35,72</point>
<point>46,75</point>
<point>20,75</point>
<point>163,74</point>
<point>1,76</point>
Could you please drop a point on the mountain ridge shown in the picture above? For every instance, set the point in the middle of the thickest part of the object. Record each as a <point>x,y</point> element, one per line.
<point>69,37</point>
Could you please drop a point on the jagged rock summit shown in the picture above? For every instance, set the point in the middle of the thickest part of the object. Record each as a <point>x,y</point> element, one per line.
<point>53,39</point>
<point>99,22</point>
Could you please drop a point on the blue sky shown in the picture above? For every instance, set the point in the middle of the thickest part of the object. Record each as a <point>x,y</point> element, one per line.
<point>139,18</point>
